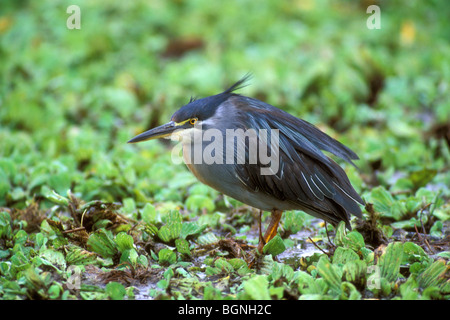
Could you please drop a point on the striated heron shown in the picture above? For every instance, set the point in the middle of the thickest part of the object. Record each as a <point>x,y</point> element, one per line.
<point>263,157</point>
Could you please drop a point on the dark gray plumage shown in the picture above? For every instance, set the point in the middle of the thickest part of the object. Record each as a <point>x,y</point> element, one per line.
<point>306,178</point>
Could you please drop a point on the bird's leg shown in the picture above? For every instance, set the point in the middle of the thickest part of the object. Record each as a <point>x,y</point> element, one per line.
<point>328,236</point>
<point>261,238</point>
<point>271,230</point>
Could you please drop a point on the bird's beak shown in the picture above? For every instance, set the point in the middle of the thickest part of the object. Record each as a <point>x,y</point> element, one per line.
<point>163,131</point>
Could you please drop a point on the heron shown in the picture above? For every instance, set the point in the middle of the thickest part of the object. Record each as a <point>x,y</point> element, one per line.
<point>297,176</point>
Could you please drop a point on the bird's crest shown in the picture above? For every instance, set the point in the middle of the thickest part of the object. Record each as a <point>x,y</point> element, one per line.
<point>240,84</point>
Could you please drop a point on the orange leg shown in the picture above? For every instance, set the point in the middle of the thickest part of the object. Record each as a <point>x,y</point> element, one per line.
<point>261,239</point>
<point>271,230</point>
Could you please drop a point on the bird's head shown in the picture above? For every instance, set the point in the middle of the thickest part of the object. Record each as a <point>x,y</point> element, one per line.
<point>191,116</point>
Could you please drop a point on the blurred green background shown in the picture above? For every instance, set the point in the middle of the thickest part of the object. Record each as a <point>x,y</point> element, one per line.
<point>70,99</point>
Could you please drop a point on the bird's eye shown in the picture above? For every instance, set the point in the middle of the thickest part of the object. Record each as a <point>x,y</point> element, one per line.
<point>193,121</point>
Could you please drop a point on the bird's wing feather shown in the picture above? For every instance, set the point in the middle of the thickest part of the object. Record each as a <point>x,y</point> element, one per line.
<point>306,176</point>
<point>304,134</point>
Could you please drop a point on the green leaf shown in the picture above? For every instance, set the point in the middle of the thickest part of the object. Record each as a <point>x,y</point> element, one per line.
<point>344,255</point>
<point>433,275</point>
<point>151,229</point>
<point>207,238</point>
<point>385,204</point>
<point>308,285</point>
<point>101,224</point>
<point>100,242</point>
<point>330,273</point>
<point>129,206</point>
<point>436,229</point>
<point>76,256</point>
<point>129,255</point>
<point>5,225</point>
<point>223,265</point>
<point>211,293</point>
<point>191,228</point>
<point>385,286</point>
<point>165,234</point>
<point>197,202</point>
<point>349,292</point>
<point>163,284</point>
<point>53,258</point>
<point>4,254</point>
<point>294,221</point>
<point>413,252</point>
<point>281,271</point>
<point>115,290</point>
<point>183,246</point>
<point>409,290</point>
<point>167,257</point>
<point>257,288</point>
<point>382,199</point>
<point>421,177</point>
<point>34,280</point>
<point>275,246</point>
<point>211,271</point>
<point>239,265</point>
<point>124,241</point>
<point>172,229</point>
<point>444,254</point>
<point>390,261</point>
<point>168,274</point>
<point>19,262</point>
<point>54,291</point>
<point>353,240</point>
<point>431,293</point>
<point>149,213</point>
<point>58,199</point>
<point>20,237</point>
<point>340,234</point>
<point>355,271</point>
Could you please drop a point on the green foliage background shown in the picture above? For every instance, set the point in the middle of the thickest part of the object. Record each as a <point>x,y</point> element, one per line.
<point>70,99</point>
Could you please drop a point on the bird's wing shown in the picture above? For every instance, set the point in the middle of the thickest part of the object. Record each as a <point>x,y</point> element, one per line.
<point>306,176</point>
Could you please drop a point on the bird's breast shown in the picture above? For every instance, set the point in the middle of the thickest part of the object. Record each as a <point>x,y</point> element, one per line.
<point>223,178</point>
